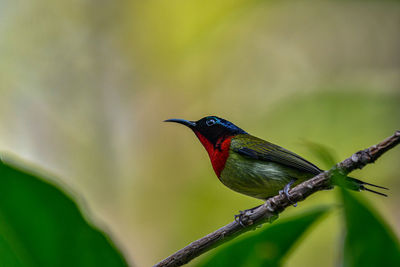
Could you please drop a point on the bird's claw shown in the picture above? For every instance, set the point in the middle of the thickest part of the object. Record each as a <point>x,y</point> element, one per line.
<point>239,217</point>
<point>285,192</point>
<point>288,197</point>
<point>245,213</point>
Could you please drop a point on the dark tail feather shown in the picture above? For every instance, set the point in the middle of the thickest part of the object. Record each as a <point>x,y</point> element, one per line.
<point>369,190</point>
<point>378,186</point>
<point>356,184</point>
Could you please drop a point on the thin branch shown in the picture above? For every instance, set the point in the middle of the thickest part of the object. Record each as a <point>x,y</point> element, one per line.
<point>269,211</point>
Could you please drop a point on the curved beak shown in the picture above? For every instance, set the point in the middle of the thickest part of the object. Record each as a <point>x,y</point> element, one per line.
<point>190,124</point>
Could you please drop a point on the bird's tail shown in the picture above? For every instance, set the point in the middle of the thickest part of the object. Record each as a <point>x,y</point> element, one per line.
<point>358,185</point>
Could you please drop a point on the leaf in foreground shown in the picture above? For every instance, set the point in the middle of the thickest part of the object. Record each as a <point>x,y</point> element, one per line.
<point>369,241</point>
<point>266,247</point>
<point>42,226</point>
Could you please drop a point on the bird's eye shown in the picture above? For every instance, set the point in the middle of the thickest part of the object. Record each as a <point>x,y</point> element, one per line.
<point>210,122</point>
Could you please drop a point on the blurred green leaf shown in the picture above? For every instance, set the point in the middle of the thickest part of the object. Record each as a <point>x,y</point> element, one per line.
<point>42,226</point>
<point>266,247</point>
<point>369,241</point>
<point>322,152</point>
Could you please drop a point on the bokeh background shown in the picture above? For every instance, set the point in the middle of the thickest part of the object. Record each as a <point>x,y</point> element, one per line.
<point>85,86</point>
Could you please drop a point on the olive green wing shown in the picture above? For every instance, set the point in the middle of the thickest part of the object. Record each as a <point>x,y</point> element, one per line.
<point>258,149</point>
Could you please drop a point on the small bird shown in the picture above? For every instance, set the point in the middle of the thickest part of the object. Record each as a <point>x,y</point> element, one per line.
<point>252,166</point>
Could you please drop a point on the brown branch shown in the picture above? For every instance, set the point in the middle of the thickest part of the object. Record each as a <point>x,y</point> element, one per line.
<point>269,211</point>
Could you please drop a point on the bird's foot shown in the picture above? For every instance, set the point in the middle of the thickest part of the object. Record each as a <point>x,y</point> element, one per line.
<point>244,213</point>
<point>285,192</point>
<point>239,217</point>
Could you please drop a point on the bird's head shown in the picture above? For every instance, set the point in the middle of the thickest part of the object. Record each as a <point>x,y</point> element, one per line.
<point>211,128</point>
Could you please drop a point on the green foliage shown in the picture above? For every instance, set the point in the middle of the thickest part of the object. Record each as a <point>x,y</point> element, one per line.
<point>323,153</point>
<point>42,226</point>
<point>369,241</point>
<point>267,247</point>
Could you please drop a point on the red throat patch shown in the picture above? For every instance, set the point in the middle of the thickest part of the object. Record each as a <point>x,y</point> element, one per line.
<point>218,156</point>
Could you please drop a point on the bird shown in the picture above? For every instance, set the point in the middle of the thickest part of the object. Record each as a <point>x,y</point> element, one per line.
<point>252,166</point>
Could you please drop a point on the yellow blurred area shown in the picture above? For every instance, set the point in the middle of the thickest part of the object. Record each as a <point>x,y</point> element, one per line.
<point>85,86</point>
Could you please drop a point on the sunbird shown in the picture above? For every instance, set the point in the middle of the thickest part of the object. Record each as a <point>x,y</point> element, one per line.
<point>253,166</point>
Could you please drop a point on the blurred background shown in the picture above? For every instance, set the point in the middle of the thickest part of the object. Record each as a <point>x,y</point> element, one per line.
<point>85,86</point>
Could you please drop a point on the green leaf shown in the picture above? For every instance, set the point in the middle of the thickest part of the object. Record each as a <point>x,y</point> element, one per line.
<point>322,152</point>
<point>42,226</point>
<point>369,241</point>
<point>267,247</point>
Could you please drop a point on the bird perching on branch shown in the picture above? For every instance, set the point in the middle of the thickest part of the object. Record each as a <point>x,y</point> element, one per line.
<point>253,166</point>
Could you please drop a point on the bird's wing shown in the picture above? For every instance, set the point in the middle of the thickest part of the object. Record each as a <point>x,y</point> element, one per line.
<point>256,148</point>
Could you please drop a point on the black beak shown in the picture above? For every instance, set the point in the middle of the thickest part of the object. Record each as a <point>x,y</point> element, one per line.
<point>190,124</point>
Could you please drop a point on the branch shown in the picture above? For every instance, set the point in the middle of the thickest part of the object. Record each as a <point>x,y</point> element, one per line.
<point>269,211</point>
